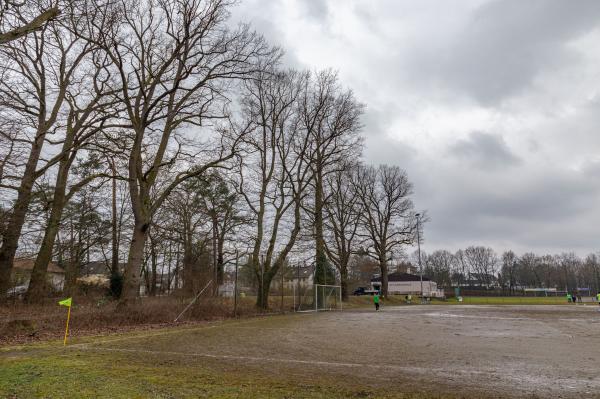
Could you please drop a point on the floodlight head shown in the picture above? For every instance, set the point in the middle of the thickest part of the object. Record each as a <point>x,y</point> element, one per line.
<point>417,214</point>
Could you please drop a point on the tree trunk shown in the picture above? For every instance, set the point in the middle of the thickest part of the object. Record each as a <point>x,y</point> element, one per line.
<point>71,274</point>
<point>264,286</point>
<point>10,241</point>
<point>220,260</point>
<point>384,276</point>
<point>114,267</point>
<point>153,260</point>
<point>214,255</point>
<point>188,266</point>
<point>37,284</point>
<point>320,257</point>
<point>344,283</point>
<point>131,277</point>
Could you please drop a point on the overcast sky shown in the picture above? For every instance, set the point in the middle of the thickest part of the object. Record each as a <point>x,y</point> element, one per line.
<point>492,107</point>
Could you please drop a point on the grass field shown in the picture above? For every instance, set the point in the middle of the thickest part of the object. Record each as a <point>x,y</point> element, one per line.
<point>429,351</point>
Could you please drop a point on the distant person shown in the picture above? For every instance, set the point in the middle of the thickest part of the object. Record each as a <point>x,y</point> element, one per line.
<point>598,299</point>
<point>579,298</point>
<point>376,301</point>
<point>569,298</point>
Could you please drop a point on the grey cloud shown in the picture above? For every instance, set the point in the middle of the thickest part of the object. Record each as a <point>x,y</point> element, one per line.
<point>316,9</point>
<point>485,151</point>
<point>505,44</point>
<point>501,56</point>
<point>542,211</point>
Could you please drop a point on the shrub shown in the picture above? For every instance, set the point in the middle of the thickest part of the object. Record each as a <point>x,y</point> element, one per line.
<point>116,285</point>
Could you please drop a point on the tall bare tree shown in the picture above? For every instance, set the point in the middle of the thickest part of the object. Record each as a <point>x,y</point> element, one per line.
<point>387,213</point>
<point>175,60</point>
<point>38,71</point>
<point>342,221</point>
<point>274,174</point>
<point>330,116</point>
<point>87,108</point>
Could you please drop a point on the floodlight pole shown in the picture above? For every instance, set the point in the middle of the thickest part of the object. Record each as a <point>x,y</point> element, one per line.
<point>418,215</point>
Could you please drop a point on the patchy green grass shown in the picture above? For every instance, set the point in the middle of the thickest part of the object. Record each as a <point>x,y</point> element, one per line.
<point>47,370</point>
<point>74,374</point>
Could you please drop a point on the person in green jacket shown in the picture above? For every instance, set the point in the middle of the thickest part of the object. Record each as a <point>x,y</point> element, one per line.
<point>376,301</point>
<point>598,298</point>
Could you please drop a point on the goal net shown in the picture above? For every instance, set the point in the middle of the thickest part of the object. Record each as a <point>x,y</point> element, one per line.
<point>319,297</point>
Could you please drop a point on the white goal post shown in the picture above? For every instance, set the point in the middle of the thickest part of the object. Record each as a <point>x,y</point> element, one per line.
<point>318,297</point>
<point>328,297</point>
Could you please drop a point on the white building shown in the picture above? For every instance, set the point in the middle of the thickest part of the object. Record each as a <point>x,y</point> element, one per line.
<point>21,274</point>
<point>408,284</point>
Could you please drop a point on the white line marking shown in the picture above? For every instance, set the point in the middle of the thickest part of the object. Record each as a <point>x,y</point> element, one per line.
<point>416,370</point>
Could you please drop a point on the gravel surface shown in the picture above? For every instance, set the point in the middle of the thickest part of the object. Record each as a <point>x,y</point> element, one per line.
<point>462,351</point>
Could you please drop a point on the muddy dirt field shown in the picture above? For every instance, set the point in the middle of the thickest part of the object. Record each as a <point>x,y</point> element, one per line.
<point>463,351</point>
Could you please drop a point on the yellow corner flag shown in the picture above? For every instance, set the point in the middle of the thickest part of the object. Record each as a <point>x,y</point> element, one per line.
<point>66,302</point>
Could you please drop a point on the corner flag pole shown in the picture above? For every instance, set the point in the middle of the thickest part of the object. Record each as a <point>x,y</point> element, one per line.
<point>67,302</point>
<point>67,328</point>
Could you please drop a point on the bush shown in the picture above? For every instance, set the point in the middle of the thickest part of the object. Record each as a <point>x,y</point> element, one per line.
<point>116,285</point>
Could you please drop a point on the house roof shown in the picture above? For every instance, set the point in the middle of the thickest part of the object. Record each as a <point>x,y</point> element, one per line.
<point>401,277</point>
<point>27,264</point>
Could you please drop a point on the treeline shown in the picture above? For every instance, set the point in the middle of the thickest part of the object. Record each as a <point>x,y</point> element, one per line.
<point>159,139</point>
<point>483,267</point>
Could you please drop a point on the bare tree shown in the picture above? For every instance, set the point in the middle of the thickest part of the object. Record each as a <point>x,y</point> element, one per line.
<point>330,117</point>
<point>220,205</point>
<point>438,267</point>
<point>37,73</point>
<point>387,214</point>
<point>483,264</point>
<point>183,214</point>
<point>174,60</point>
<point>509,269</point>
<point>342,220</point>
<point>274,175</point>
<point>87,111</point>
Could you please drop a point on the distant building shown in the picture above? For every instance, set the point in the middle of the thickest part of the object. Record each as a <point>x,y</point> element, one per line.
<point>481,280</point>
<point>302,276</point>
<point>21,273</point>
<point>99,268</point>
<point>408,284</point>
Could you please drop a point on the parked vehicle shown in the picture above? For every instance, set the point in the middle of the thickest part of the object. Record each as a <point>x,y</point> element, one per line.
<point>17,292</point>
<point>365,291</point>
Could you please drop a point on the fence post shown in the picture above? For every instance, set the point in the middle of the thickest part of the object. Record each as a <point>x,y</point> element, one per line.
<point>235,285</point>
